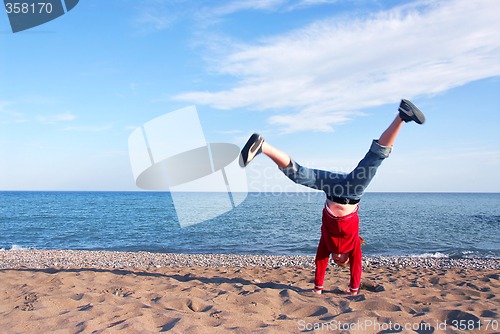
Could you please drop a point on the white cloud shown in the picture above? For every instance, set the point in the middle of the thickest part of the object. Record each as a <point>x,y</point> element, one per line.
<point>239,5</point>
<point>150,20</point>
<point>52,119</point>
<point>315,2</point>
<point>310,3</point>
<point>260,5</point>
<point>331,69</point>
<point>157,15</point>
<point>90,128</point>
<point>311,120</point>
<point>9,116</point>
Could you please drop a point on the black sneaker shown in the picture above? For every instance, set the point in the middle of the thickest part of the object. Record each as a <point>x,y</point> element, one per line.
<point>409,112</point>
<point>252,148</point>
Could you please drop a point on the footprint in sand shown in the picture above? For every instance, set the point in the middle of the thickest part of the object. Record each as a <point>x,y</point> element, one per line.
<point>78,296</point>
<point>344,307</point>
<point>382,305</point>
<point>85,307</point>
<point>372,287</point>
<point>170,325</point>
<point>460,317</point>
<point>489,314</point>
<point>188,305</point>
<point>299,311</point>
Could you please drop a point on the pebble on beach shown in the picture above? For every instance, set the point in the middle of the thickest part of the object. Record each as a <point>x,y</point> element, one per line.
<point>40,259</point>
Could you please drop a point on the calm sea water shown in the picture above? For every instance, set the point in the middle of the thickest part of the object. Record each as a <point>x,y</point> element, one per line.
<point>422,224</point>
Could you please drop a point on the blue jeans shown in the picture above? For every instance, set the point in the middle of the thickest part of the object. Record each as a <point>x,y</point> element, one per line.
<point>346,185</point>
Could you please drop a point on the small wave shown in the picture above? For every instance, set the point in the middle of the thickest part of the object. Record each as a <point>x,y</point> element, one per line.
<point>476,254</point>
<point>17,247</point>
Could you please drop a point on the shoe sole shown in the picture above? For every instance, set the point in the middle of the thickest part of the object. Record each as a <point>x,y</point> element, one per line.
<point>251,151</point>
<point>416,115</point>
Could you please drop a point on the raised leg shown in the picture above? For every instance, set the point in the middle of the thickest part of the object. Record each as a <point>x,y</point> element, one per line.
<point>388,137</point>
<point>278,156</point>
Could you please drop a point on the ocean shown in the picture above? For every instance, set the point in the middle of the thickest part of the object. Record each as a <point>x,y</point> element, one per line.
<point>453,225</point>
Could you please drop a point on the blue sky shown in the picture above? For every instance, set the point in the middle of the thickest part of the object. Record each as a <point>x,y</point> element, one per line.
<point>319,79</point>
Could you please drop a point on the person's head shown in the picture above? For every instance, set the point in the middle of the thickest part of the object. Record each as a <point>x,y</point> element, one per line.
<point>341,259</point>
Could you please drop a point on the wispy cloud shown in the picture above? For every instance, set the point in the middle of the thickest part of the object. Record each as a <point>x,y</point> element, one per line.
<point>218,11</point>
<point>315,2</point>
<point>158,15</point>
<point>322,74</point>
<point>235,6</point>
<point>8,115</point>
<point>53,119</point>
<point>241,5</point>
<point>89,128</point>
<point>228,132</point>
<point>151,20</point>
<point>309,3</point>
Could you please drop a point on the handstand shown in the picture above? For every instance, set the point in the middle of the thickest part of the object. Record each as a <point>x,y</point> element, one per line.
<point>340,221</point>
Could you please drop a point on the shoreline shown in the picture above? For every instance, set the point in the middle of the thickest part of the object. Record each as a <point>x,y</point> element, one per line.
<point>41,259</point>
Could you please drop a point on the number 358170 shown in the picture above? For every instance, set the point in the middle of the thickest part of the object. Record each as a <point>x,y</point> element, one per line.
<point>466,325</point>
<point>28,8</point>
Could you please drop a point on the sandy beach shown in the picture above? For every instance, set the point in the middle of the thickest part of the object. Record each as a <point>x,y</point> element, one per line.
<point>107,292</point>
